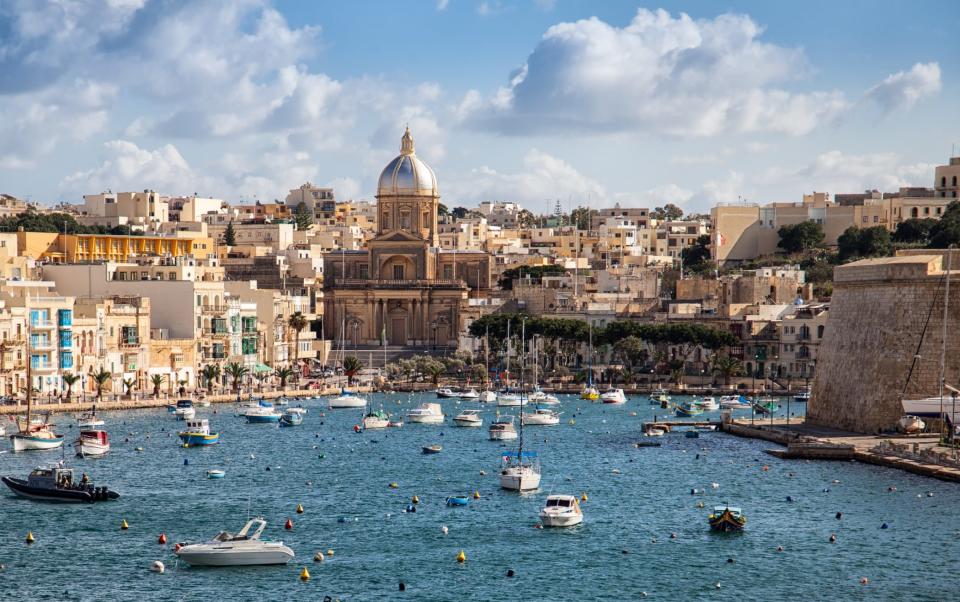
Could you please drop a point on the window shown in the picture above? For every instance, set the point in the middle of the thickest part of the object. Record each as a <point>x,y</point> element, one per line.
<point>405,220</point>
<point>943,181</point>
<point>398,272</point>
<point>363,270</point>
<point>876,218</point>
<point>954,181</point>
<point>926,211</point>
<point>448,272</point>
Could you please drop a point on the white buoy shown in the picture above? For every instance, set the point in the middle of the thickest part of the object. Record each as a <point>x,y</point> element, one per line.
<point>444,529</point>
<point>714,485</point>
<point>157,567</point>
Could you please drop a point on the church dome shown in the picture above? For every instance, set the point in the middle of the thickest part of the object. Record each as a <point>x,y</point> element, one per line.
<point>407,175</point>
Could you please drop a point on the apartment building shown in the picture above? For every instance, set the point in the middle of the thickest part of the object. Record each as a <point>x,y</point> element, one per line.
<point>800,338</point>
<point>946,179</point>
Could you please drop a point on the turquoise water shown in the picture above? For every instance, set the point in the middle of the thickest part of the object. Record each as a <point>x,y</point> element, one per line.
<point>81,553</point>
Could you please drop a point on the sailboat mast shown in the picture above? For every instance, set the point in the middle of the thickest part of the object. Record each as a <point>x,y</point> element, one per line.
<point>486,355</point>
<point>508,348</point>
<point>523,363</point>
<point>29,375</point>
<point>590,356</point>
<point>943,339</point>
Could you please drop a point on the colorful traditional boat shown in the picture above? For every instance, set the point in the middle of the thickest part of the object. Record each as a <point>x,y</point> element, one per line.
<point>198,433</point>
<point>687,408</point>
<point>726,518</point>
<point>92,443</point>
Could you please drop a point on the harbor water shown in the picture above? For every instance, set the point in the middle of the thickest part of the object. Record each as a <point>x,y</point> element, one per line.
<point>643,532</point>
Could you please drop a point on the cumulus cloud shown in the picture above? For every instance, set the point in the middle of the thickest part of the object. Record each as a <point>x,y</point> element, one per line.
<point>904,89</point>
<point>838,172</point>
<point>543,179</point>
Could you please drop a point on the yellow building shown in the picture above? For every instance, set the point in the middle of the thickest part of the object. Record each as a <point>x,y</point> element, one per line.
<point>78,248</point>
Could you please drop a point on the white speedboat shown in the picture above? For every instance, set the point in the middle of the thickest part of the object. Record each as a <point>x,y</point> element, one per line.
<point>184,410</point>
<point>36,439</point>
<point>92,443</point>
<point>510,400</point>
<point>427,413</point>
<point>502,429</point>
<point>487,397</point>
<point>243,549</point>
<point>561,511</point>
<point>540,417</point>
<point>707,404</point>
<point>264,413</point>
<point>468,418</point>
<point>520,472</point>
<point>469,395</point>
<point>203,402</point>
<point>347,399</point>
<point>446,393</point>
<point>297,410</point>
<point>614,396</point>
<point>89,420</point>
<point>734,402</point>
<point>658,394</point>
<point>536,396</point>
<point>549,400</point>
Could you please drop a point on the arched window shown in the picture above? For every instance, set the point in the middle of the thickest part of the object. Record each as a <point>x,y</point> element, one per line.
<point>954,181</point>
<point>820,331</point>
<point>914,212</point>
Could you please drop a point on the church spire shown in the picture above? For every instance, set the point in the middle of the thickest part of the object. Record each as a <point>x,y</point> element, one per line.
<point>406,143</point>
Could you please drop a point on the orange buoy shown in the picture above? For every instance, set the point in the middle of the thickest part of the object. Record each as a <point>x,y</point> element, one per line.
<point>162,539</point>
<point>765,468</point>
<point>288,525</point>
<point>176,547</point>
<point>299,508</point>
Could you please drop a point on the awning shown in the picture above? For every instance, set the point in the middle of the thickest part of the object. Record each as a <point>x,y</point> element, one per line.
<point>262,368</point>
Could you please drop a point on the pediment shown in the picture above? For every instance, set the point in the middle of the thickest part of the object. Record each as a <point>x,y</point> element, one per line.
<point>397,236</point>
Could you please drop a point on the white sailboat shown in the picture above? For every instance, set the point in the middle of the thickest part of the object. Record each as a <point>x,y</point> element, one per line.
<point>32,436</point>
<point>521,469</point>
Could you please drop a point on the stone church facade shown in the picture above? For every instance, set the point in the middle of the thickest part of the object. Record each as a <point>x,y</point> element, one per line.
<point>402,287</point>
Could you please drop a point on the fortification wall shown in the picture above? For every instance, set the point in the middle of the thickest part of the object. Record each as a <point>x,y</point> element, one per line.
<point>877,315</point>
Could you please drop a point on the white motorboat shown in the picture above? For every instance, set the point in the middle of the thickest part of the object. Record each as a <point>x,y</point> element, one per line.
<point>184,410</point>
<point>549,400</point>
<point>536,396</point>
<point>561,511</point>
<point>297,410</point>
<point>654,432</point>
<point>468,418</point>
<point>36,439</point>
<point>446,393</point>
<point>487,397</point>
<point>347,399</point>
<point>540,417</point>
<point>376,419</point>
<point>911,425</point>
<point>203,402</point>
<point>263,413</point>
<point>614,396</point>
<point>469,395</point>
<point>734,402</point>
<point>803,396</point>
<point>658,394</point>
<point>707,404</point>
<point>502,429</point>
<point>243,549</point>
<point>510,400</point>
<point>89,420</point>
<point>92,443</point>
<point>520,472</point>
<point>427,413</point>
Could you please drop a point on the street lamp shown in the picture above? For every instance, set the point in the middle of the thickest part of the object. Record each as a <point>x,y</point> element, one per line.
<point>753,386</point>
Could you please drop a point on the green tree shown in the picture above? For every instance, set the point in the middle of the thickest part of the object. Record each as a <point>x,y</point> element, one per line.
<point>236,372</point>
<point>914,230</point>
<point>946,232</point>
<point>800,237</point>
<point>668,212</point>
<point>351,366</point>
<point>297,322</point>
<point>435,370</point>
<point>442,209</point>
<point>866,242</point>
<point>580,218</point>
<point>157,381</point>
<point>284,373</point>
<point>100,378</point>
<point>696,257</point>
<point>535,272</point>
<point>727,367</point>
<point>229,235</point>
<point>129,385</point>
<point>302,216</point>
<point>459,212</point>
<point>70,380</point>
<point>210,373</point>
<point>526,219</point>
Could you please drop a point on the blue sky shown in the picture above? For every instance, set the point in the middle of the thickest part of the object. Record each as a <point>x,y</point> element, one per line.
<point>586,102</point>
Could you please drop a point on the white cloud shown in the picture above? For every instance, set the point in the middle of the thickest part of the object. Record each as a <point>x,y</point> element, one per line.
<point>442,4</point>
<point>904,89</point>
<point>724,190</point>
<point>545,5</point>
<point>837,172</point>
<point>658,196</point>
<point>543,179</point>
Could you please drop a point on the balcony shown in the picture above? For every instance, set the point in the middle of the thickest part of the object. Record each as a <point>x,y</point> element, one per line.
<point>129,342</point>
<point>214,309</point>
<point>217,334</point>
<point>42,324</point>
<point>397,284</point>
<point>43,345</point>
<point>47,367</point>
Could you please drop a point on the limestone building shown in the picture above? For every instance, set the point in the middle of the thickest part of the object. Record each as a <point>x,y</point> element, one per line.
<point>402,286</point>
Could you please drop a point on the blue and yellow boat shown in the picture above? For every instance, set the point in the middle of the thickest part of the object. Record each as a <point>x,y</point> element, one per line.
<point>198,433</point>
<point>726,519</point>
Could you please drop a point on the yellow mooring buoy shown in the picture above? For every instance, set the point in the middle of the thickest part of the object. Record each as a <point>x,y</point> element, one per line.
<point>461,557</point>
<point>123,525</point>
<point>30,538</point>
<point>299,508</point>
<point>304,574</point>
<point>476,495</point>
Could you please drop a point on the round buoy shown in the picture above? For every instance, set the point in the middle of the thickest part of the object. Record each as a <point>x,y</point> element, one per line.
<point>415,500</point>
<point>342,519</point>
<point>162,539</point>
<point>483,473</point>
<point>693,491</point>
<point>176,547</point>
<point>864,581</point>
<point>476,495</point>
<point>461,557</point>
<point>268,469</point>
<point>356,428</point>
<point>318,557</point>
<point>304,574</point>
<point>288,525</point>
<point>789,498</point>
<point>673,536</point>
<point>157,567</point>
<point>537,525</point>
<point>700,504</point>
<point>730,561</point>
<point>299,508</point>
<point>717,585</point>
<point>444,529</point>
<point>624,551</point>
<point>30,538</point>
<point>411,508</point>
<point>839,515</point>
<point>884,526</point>
<point>891,489</point>
<point>402,587</point>
<point>715,485</point>
<point>330,552</point>
<point>765,468</point>
<point>779,548</point>
<point>583,496</point>
<point>833,538</point>
<point>123,525</point>
<point>510,573</point>
<point>393,485</point>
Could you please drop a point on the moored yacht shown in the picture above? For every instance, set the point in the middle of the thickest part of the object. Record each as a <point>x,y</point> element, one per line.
<point>427,413</point>
<point>540,417</point>
<point>184,410</point>
<point>502,429</point>
<point>56,484</point>
<point>198,433</point>
<point>707,404</point>
<point>92,443</point>
<point>688,408</point>
<point>561,511</point>
<point>89,420</point>
<point>469,395</point>
<point>734,402</point>
<point>243,549</point>
<point>520,471</point>
<point>263,413</point>
<point>614,396</point>
<point>376,419</point>
<point>487,397</point>
<point>510,400</point>
<point>37,438</point>
<point>446,393</point>
<point>468,418</point>
<point>347,399</point>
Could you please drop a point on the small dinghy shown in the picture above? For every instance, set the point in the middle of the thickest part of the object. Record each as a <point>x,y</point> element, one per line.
<point>432,449</point>
<point>458,500</point>
<point>215,473</point>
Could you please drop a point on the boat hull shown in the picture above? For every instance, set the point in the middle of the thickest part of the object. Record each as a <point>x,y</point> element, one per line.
<point>425,419</point>
<point>375,423</point>
<point>511,402</point>
<point>503,435</point>
<point>567,519</point>
<point>210,555</point>
<point>726,523</point>
<point>31,443</point>
<point>88,448</point>
<point>263,419</point>
<point>519,481</point>
<point>199,439</point>
<point>465,422</point>
<point>340,403</point>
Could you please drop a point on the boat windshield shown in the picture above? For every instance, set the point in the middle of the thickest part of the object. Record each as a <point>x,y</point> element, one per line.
<point>558,502</point>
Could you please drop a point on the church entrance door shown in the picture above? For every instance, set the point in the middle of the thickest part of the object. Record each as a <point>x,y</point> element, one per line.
<point>398,331</point>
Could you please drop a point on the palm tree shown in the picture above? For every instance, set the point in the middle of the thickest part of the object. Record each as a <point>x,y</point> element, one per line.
<point>101,377</point>
<point>260,376</point>
<point>129,384</point>
<point>435,370</point>
<point>351,365</point>
<point>70,380</point>
<point>297,322</point>
<point>236,372</point>
<point>283,374</point>
<point>157,380</point>
<point>727,367</point>
<point>210,374</point>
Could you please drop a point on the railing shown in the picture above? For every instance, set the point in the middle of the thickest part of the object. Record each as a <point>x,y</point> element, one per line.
<point>44,324</point>
<point>215,309</point>
<point>130,342</point>
<point>216,333</point>
<point>391,283</point>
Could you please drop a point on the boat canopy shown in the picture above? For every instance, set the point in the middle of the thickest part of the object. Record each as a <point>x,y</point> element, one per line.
<point>722,509</point>
<point>743,399</point>
<point>526,454</point>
